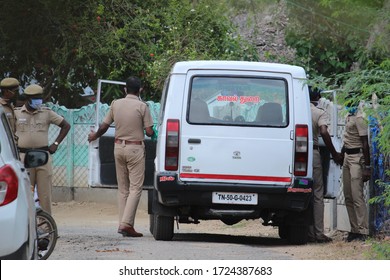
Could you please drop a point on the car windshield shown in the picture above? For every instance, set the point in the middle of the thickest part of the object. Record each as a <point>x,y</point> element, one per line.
<point>248,101</point>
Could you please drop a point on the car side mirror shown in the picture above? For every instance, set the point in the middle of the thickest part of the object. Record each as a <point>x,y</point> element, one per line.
<point>35,158</point>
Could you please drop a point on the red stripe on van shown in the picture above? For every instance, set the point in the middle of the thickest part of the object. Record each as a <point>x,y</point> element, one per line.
<point>235,177</point>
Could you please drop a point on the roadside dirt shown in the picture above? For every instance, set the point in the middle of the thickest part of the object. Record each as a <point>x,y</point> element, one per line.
<point>88,213</point>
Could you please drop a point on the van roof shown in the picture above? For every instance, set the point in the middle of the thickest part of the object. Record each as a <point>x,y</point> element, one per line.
<point>183,67</point>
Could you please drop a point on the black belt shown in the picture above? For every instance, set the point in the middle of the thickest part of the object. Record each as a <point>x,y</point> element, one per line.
<point>25,150</point>
<point>351,151</point>
<point>316,147</point>
<point>127,142</point>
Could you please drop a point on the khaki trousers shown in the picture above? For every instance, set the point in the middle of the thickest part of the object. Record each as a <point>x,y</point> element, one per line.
<point>318,198</point>
<point>41,177</point>
<point>130,173</point>
<point>353,192</point>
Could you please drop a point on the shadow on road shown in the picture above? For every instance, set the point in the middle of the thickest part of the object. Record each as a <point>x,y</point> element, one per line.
<point>234,239</point>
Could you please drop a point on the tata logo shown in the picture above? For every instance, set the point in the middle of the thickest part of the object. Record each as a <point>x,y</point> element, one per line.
<point>166,178</point>
<point>236,155</point>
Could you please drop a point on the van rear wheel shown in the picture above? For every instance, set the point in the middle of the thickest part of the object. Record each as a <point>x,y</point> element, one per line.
<point>151,223</point>
<point>298,234</point>
<point>283,231</point>
<point>163,227</point>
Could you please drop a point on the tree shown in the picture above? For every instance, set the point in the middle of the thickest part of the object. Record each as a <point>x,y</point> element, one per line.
<point>331,36</point>
<point>68,45</point>
<point>375,79</point>
<point>194,31</point>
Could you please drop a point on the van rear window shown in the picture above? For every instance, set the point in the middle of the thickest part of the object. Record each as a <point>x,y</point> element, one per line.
<point>249,101</point>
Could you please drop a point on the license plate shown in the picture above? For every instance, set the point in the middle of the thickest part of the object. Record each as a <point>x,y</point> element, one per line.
<point>235,198</point>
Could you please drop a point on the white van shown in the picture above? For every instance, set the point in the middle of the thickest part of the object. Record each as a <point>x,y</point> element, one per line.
<point>235,142</point>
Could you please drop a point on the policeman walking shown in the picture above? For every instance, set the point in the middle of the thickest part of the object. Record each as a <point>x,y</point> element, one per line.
<point>32,128</point>
<point>9,89</point>
<point>131,117</point>
<point>319,123</point>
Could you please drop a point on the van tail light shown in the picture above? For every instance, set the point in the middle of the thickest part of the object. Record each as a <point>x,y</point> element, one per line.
<point>172,145</point>
<point>301,149</point>
<point>8,185</point>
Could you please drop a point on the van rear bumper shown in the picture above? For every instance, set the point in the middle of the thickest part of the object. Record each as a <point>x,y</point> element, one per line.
<point>174,193</point>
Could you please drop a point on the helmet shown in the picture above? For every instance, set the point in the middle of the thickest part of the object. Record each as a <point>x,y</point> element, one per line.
<point>33,90</point>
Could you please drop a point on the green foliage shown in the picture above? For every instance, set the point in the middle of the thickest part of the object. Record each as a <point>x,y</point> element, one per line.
<point>194,32</point>
<point>42,40</point>
<point>331,35</point>
<point>379,250</point>
<point>68,45</point>
<point>375,79</point>
<point>365,83</point>
<point>247,5</point>
<point>384,197</point>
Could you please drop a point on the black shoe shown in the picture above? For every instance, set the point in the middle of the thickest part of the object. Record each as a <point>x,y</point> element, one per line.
<point>311,239</point>
<point>362,237</point>
<point>323,239</point>
<point>351,236</point>
<point>356,236</point>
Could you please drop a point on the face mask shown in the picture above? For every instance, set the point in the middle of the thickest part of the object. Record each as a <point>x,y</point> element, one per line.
<point>35,103</point>
<point>351,110</point>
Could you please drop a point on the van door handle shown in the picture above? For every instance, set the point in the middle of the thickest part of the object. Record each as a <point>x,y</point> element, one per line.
<point>194,141</point>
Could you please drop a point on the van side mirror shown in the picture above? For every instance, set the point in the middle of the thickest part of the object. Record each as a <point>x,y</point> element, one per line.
<point>35,158</point>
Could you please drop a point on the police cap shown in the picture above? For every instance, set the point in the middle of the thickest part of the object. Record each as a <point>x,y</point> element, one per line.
<point>33,90</point>
<point>9,83</point>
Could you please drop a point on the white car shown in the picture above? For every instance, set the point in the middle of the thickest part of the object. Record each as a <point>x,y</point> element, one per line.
<point>17,207</point>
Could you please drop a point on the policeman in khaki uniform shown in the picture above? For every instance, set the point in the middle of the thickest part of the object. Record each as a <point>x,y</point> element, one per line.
<point>131,117</point>
<point>32,128</point>
<point>319,123</point>
<point>356,171</point>
<point>9,89</point>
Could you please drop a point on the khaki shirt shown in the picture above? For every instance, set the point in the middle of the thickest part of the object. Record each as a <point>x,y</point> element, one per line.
<point>32,128</point>
<point>319,117</point>
<point>355,126</point>
<point>131,117</point>
<point>9,112</point>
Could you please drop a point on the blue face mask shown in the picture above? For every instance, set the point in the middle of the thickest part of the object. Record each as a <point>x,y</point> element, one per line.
<point>351,110</point>
<point>35,103</point>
